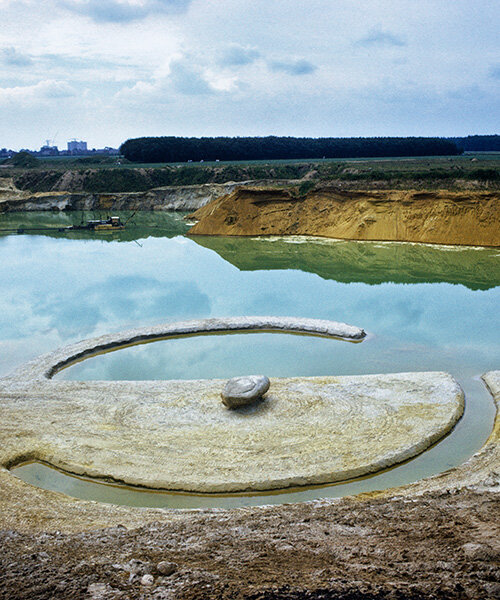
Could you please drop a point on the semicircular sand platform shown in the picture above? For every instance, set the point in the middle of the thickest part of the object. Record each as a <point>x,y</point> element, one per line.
<point>177,435</point>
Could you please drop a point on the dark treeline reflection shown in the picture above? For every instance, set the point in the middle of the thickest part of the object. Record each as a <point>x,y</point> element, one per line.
<point>367,262</point>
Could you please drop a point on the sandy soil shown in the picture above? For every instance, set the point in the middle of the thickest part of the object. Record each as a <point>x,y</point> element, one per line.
<point>435,217</point>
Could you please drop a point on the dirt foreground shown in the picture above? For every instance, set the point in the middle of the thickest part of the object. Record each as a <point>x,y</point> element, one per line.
<point>438,545</point>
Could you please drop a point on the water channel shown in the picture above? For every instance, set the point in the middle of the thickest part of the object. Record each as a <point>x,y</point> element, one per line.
<point>427,308</point>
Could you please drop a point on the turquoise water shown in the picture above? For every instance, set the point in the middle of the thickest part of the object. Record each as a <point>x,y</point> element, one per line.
<point>425,307</point>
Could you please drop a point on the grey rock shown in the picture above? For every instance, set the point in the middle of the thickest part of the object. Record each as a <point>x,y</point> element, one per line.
<point>166,568</point>
<point>43,556</point>
<point>242,391</point>
<point>492,588</point>
<point>102,591</point>
<point>136,566</point>
<point>478,551</point>
<point>147,579</point>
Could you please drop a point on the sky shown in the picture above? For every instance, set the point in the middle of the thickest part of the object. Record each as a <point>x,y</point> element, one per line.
<point>105,71</point>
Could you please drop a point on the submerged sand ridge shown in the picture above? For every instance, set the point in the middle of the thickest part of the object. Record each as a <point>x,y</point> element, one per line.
<point>434,217</point>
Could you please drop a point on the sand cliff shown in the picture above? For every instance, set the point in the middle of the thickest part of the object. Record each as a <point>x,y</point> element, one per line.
<point>436,217</point>
<point>181,198</point>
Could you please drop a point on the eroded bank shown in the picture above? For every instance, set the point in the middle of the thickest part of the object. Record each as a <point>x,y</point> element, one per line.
<point>434,217</point>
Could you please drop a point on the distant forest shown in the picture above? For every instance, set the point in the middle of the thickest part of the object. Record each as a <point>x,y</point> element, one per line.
<point>478,143</point>
<point>180,149</point>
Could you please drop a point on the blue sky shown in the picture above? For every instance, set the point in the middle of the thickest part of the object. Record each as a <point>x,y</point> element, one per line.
<point>107,70</point>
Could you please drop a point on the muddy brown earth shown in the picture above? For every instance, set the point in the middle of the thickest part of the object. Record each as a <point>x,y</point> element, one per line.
<point>438,545</point>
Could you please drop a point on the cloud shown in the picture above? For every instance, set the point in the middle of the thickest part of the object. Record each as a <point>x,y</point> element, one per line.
<point>186,80</point>
<point>495,71</point>
<point>12,57</point>
<point>293,67</point>
<point>125,297</point>
<point>235,56</point>
<point>57,89</point>
<point>240,68</point>
<point>43,90</point>
<point>123,11</point>
<point>72,62</point>
<point>377,37</point>
<point>182,78</point>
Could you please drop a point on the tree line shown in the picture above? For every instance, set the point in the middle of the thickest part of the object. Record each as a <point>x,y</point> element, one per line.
<point>478,143</point>
<point>181,149</point>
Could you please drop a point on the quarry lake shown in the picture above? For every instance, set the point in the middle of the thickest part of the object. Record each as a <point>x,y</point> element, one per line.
<point>425,308</point>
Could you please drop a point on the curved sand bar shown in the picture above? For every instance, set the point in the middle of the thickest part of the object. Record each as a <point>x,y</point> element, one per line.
<point>46,366</point>
<point>177,435</point>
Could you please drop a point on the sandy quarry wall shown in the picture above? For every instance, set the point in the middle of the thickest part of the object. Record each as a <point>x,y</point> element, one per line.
<point>440,217</point>
<point>182,198</point>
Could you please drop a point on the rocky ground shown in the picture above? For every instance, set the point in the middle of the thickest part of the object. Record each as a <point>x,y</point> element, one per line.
<point>437,545</point>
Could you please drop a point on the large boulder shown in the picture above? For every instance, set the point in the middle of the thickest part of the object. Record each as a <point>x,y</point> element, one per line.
<point>242,391</point>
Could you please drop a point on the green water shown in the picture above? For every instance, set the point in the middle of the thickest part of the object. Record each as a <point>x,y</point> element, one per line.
<point>425,307</point>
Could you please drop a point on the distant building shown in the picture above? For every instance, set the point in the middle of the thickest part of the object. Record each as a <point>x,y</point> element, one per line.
<point>108,150</point>
<point>48,150</point>
<point>76,147</point>
<point>4,153</point>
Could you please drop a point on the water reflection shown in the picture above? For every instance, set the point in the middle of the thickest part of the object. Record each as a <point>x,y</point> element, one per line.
<point>133,295</point>
<point>343,261</point>
<point>367,262</point>
<point>218,356</point>
<point>140,225</point>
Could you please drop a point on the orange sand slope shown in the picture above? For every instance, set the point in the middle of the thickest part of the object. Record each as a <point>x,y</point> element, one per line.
<point>435,217</point>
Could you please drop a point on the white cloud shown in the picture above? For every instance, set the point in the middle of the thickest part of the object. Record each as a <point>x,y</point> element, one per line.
<point>378,37</point>
<point>237,67</point>
<point>495,71</point>
<point>187,80</point>
<point>183,77</point>
<point>41,91</point>
<point>235,55</point>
